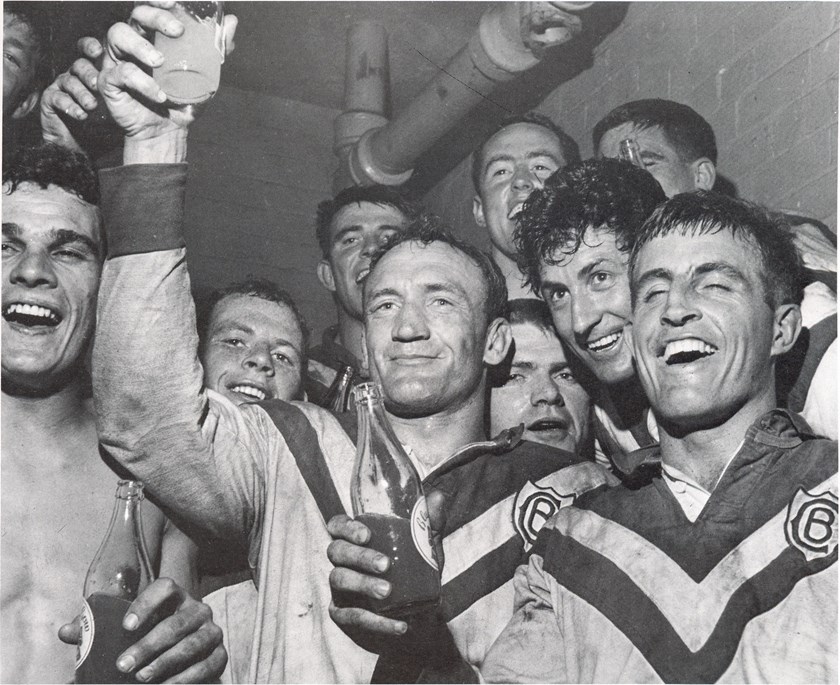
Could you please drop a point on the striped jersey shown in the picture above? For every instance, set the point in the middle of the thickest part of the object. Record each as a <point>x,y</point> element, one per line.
<point>622,587</point>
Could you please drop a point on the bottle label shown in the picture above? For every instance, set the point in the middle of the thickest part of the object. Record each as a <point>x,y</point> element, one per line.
<point>88,628</point>
<point>421,532</point>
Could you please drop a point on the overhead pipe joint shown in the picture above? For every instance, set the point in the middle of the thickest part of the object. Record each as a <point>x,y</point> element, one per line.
<point>512,37</point>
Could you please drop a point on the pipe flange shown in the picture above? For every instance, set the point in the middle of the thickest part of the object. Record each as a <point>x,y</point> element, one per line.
<point>364,169</point>
<point>348,127</point>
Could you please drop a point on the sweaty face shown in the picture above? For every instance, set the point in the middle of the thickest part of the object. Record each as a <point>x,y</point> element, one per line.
<point>659,156</point>
<point>19,56</point>
<point>425,328</point>
<point>254,350</point>
<point>541,392</point>
<point>702,331</point>
<point>516,161</point>
<point>588,294</point>
<point>51,267</point>
<point>357,230</point>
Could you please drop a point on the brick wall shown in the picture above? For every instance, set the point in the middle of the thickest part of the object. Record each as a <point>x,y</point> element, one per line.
<point>259,166</point>
<point>764,74</point>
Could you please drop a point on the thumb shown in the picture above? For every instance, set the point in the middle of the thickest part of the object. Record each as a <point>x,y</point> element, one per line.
<point>71,633</point>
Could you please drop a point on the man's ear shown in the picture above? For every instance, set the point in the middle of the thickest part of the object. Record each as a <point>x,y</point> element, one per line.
<point>325,275</point>
<point>478,212</point>
<point>497,343</point>
<point>28,104</point>
<point>704,173</point>
<point>787,324</point>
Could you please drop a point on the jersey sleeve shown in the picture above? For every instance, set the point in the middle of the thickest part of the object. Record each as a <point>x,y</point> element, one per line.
<point>200,456</point>
<point>527,650</point>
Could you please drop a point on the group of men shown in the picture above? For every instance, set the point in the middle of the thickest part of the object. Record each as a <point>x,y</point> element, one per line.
<point>668,516</point>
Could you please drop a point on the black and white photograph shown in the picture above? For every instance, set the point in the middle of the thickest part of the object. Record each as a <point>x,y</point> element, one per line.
<point>419,342</point>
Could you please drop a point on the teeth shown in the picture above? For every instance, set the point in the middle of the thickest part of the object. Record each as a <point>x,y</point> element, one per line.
<point>362,275</point>
<point>605,342</point>
<point>516,209</point>
<point>31,310</point>
<point>250,391</point>
<point>690,345</point>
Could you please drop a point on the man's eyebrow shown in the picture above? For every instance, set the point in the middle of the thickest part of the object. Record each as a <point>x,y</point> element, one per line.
<point>11,230</point>
<point>452,288</point>
<point>649,154</point>
<point>660,274</point>
<point>543,153</point>
<point>383,291</point>
<point>65,236</point>
<point>589,268</point>
<point>522,364</point>
<point>720,268</point>
<point>355,228</point>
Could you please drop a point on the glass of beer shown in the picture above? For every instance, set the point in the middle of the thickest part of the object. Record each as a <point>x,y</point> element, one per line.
<point>192,62</point>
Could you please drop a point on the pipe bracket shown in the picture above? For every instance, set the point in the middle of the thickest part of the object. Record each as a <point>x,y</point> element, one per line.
<point>364,170</point>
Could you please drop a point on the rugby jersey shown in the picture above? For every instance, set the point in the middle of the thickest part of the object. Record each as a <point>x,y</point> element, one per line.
<point>622,587</point>
<point>273,474</point>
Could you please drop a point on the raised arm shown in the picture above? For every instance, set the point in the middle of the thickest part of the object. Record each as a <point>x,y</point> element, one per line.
<point>198,456</point>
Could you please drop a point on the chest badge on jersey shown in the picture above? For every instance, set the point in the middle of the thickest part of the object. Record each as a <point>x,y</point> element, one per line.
<point>534,505</point>
<point>811,525</point>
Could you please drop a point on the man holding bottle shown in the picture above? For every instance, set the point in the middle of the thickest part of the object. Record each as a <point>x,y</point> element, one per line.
<point>272,474</point>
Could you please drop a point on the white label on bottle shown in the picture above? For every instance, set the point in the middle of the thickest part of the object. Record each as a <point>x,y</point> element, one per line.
<point>88,628</point>
<point>421,532</point>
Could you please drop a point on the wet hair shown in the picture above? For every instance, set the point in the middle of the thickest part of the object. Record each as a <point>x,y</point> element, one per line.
<point>689,133</point>
<point>37,17</point>
<point>530,311</point>
<point>49,164</point>
<point>607,194</point>
<point>706,212</point>
<point>569,148</point>
<point>377,195</point>
<point>427,229</point>
<point>261,288</point>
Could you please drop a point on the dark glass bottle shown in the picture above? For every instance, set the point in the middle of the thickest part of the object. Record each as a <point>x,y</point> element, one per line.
<point>119,572</point>
<point>338,395</point>
<point>388,498</point>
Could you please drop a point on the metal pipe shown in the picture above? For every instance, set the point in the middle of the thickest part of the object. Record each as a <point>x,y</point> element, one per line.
<point>511,38</point>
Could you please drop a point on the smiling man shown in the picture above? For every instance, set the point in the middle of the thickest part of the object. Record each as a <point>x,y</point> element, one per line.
<point>350,228</point>
<point>539,386</point>
<point>57,494</point>
<point>721,567</point>
<point>574,240</point>
<point>512,162</point>
<point>253,343</point>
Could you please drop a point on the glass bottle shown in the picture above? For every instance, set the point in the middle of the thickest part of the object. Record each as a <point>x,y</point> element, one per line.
<point>338,394</point>
<point>628,150</point>
<point>119,572</point>
<point>388,498</point>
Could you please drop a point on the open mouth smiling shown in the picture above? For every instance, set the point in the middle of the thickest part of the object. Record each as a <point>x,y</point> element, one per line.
<point>31,315</point>
<point>605,343</point>
<point>249,391</point>
<point>686,351</point>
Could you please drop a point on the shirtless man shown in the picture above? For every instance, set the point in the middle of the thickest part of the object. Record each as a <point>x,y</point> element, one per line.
<point>57,492</point>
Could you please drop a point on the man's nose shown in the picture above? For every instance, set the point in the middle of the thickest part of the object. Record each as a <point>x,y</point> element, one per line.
<point>680,308</point>
<point>546,391</point>
<point>524,179</point>
<point>259,359</point>
<point>410,324</point>
<point>33,269</point>
<point>583,312</point>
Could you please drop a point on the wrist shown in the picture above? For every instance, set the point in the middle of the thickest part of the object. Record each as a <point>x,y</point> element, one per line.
<point>169,147</point>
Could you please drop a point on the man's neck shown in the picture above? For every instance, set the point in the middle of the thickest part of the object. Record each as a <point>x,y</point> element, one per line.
<point>704,453</point>
<point>514,279</point>
<point>433,439</point>
<point>351,335</point>
<point>45,419</point>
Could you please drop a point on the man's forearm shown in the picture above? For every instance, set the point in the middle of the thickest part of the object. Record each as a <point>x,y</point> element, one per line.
<point>153,414</point>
